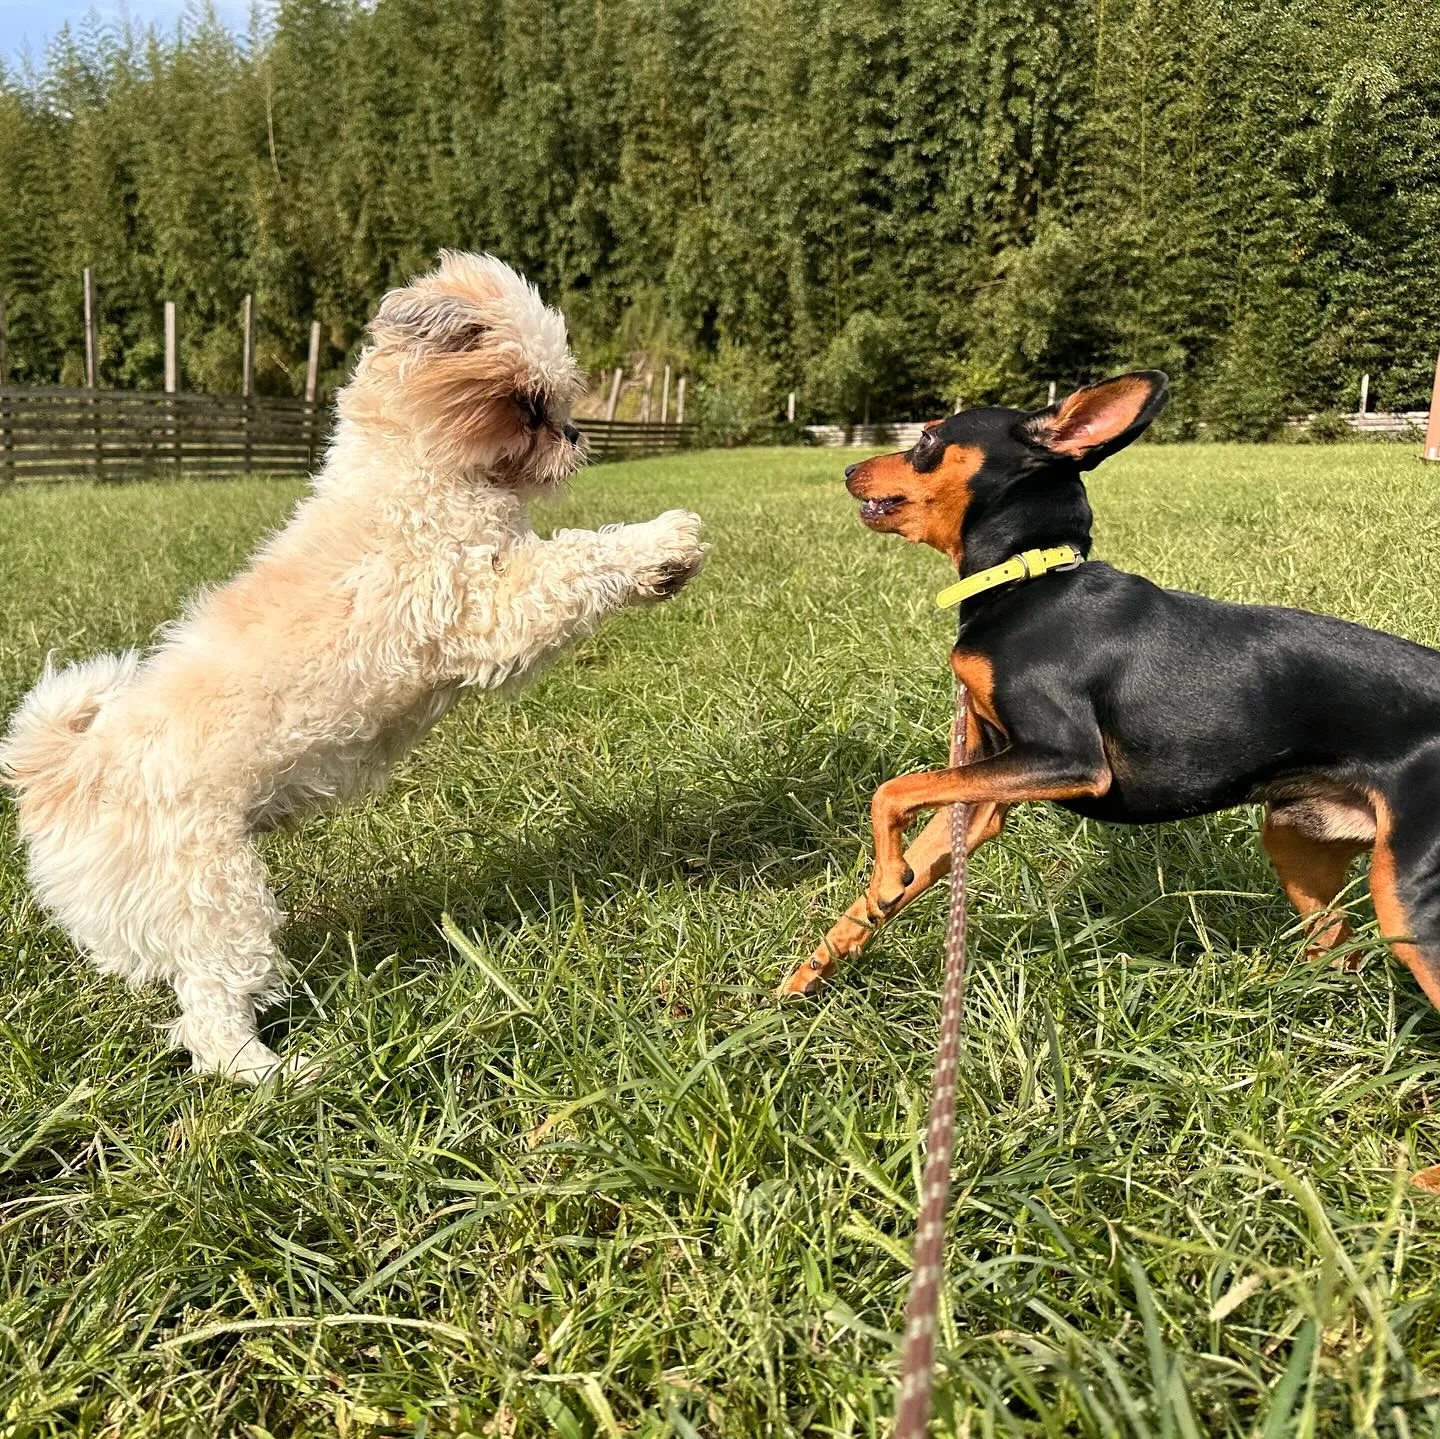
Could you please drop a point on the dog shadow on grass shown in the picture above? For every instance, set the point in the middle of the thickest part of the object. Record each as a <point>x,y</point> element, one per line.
<point>762,829</point>
<point>767,830</point>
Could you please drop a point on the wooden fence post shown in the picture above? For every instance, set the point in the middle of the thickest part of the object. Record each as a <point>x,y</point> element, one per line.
<point>92,367</point>
<point>790,408</point>
<point>680,401</point>
<point>247,371</point>
<point>92,349</point>
<point>312,364</point>
<point>172,355</point>
<point>1051,399</point>
<point>312,386</point>
<point>645,398</point>
<point>614,394</point>
<point>247,354</point>
<point>1364,393</point>
<point>172,381</point>
<point>7,440</point>
<point>665,399</point>
<point>1432,430</point>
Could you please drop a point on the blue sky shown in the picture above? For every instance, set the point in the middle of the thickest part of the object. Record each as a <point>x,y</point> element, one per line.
<point>29,24</point>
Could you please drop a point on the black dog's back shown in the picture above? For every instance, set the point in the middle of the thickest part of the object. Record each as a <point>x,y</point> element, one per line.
<point>1202,705</point>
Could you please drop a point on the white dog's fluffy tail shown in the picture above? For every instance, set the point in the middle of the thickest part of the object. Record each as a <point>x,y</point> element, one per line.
<point>46,729</point>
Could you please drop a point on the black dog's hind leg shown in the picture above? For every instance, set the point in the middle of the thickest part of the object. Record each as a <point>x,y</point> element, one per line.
<point>1405,883</point>
<point>1312,870</point>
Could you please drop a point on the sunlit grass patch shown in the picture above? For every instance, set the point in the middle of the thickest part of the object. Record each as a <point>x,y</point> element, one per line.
<point>569,1167</point>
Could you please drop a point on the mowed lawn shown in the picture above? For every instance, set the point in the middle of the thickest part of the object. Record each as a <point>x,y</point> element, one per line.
<point>570,1169</point>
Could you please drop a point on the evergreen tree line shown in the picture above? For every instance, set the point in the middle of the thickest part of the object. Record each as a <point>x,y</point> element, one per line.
<point>883,204</point>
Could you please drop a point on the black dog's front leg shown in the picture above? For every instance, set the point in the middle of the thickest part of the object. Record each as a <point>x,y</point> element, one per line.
<point>1014,777</point>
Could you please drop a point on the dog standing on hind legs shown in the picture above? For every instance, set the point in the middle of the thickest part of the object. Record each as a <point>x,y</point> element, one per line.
<point>410,574</point>
<point>1122,701</point>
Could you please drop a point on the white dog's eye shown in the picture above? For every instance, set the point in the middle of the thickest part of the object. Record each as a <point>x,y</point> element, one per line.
<point>532,407</point>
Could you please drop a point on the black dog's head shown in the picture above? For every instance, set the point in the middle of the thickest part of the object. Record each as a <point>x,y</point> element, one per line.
<point>977,465</point>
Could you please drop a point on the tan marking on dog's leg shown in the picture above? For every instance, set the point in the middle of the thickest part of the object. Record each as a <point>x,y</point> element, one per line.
<point>1312,872</point>
<point>1390,914</point>
<point>1002,780</point>
<point>1427,1179</point>
<point>928,857</point>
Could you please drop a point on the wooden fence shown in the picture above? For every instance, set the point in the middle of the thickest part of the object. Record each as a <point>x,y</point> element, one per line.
<point>1395,422</point>
<point>54,434</point>
<point>633,439</point>
<point>903,433</point>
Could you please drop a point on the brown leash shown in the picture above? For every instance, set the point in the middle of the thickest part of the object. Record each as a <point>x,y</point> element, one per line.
<point>917,1357</point>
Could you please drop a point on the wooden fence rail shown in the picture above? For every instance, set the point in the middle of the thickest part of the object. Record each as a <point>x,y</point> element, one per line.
<point>633,439</point>
<point>903,433</point>
<point>52,434</point>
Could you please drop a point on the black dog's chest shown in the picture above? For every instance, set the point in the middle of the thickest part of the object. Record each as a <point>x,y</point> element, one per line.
<point>1133,800</point>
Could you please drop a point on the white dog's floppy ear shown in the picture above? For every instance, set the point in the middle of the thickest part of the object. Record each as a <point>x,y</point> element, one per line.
<point>427,319</point>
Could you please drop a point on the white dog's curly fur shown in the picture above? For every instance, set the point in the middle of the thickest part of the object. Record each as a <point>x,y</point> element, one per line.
<point>410,574</point>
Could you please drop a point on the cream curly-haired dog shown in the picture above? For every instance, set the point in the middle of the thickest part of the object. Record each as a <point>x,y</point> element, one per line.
<point>409,575</point>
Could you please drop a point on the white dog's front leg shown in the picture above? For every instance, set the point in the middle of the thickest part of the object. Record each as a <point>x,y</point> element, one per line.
<point>538,596</point>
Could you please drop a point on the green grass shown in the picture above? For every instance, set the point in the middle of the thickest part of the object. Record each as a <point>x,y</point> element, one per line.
<point>572,1170</point>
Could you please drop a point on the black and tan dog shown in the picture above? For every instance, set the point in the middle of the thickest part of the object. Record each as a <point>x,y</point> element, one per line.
<point>1126,702</point>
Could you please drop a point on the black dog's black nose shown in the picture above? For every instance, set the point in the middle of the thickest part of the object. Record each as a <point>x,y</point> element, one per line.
<point>572,434</point>
<point>850,470</point>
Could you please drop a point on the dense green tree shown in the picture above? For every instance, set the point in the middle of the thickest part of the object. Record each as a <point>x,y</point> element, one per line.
<point>889,203</point>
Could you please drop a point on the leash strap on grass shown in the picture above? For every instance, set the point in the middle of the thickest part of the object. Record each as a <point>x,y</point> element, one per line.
<point>917,1357</point>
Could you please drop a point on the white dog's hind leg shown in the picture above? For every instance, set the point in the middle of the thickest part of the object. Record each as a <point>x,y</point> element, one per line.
<point>217,1026</point>
<point>225,964</point>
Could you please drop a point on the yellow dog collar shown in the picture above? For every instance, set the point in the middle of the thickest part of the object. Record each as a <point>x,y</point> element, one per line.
<point>1024,566</point>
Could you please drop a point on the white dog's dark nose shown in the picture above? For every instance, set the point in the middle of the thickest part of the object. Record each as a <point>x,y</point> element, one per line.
<point>571,434</point>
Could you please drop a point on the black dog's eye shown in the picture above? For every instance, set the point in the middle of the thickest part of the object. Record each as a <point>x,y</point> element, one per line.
<point>925,453</point>
<point>532,407</point>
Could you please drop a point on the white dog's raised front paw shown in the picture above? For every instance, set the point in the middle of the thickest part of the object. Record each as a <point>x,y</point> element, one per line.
<point>670,554</point>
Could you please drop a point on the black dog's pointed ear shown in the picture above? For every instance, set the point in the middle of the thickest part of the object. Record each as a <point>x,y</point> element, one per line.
<point>1095,422</point>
